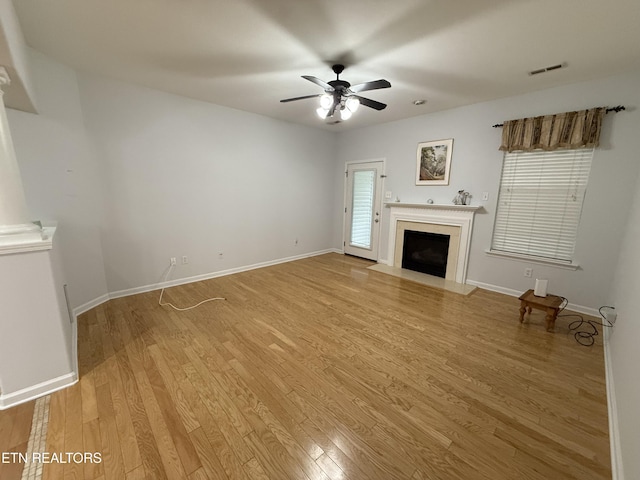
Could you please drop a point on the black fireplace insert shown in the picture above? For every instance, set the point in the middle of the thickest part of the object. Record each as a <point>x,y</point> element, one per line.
<point>425,252</point>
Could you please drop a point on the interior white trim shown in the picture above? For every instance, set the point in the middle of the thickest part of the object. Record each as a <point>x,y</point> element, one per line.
<point>516,293</point>
<point>181,281</point>
<point>85,307</point>
<point>345,200</point>
<point>31,393</point>
<point>453,215</point>
<point>531,259</point>
<point>31,241</point>
<point>617,467</point>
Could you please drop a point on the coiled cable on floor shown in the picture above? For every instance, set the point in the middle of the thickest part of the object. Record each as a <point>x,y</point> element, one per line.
<point>585,331</point>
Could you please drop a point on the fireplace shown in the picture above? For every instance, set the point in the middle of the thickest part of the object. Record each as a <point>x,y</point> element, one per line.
<point>454,222</point>
<point>425,252</point>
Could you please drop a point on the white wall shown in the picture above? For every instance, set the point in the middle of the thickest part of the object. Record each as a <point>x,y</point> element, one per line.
<point>476,166</point>
<point>184,177</point>
<point>624,341</point>
<point>60,175</point>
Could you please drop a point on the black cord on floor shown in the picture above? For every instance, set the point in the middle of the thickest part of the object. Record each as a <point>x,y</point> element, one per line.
<point>586,337</point>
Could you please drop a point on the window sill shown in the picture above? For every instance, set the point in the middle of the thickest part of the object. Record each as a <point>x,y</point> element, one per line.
<point>530,259</point>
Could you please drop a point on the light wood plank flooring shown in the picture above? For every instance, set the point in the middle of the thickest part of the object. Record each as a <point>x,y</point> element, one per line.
<point>322,369</point>
<point>15,426</point>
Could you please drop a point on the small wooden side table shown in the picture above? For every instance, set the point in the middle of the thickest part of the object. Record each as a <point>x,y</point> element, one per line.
<point>550,304</point>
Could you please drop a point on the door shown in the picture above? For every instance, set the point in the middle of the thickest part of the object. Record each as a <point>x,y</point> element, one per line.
<point>362,209</point>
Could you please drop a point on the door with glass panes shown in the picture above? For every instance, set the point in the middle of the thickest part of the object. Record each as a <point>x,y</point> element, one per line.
<point>362,209</point>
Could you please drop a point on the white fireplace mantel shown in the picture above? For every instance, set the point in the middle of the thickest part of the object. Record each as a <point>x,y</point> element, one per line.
<point>454,215</point>
<point>434,206</point>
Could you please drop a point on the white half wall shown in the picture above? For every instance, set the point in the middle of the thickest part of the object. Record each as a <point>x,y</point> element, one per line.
<point>188,178</point>
<point>60,174</point>
<point>476,167</point>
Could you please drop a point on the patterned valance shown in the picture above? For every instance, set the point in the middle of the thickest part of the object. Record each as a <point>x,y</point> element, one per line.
<point>551,132</point>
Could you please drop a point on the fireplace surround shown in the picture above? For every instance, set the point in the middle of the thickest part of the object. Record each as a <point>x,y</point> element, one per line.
<point>456,221</point>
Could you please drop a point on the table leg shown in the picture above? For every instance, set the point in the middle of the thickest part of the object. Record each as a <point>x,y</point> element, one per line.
<point>523,309</point>
<point>550,320</point>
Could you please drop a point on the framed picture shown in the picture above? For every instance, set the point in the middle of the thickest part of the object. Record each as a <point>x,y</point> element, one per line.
<point>434,162</point>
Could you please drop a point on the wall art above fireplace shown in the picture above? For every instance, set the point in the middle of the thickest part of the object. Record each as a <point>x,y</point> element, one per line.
<point>433,162</point>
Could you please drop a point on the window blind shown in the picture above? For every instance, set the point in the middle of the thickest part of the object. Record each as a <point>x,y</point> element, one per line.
<point>363,193</point>
<point>540,202</point>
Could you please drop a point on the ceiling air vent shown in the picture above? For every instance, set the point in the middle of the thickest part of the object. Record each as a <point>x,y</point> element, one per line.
<point>548,69</point>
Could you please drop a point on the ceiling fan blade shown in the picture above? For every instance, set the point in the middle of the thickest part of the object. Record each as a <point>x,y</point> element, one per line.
<point>318,82</point>
<point>375,85</point>
<point>299,98</point>
<point>367,102</point>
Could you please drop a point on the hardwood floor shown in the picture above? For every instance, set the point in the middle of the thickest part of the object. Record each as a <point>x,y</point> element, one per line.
<point>322,369</point>
<point>15,426</point>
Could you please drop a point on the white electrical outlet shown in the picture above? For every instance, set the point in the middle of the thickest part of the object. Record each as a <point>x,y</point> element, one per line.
<point>172,261</point>
<point>610,315</point>
<point>528,272</point>
<point>388,195</point>
<point>185,260</point>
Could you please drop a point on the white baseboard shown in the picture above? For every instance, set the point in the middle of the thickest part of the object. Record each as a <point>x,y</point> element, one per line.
<point>85,307</point>
<point>31,393</point>
<point>182,281</point>
<point>516,293</point>
<point>207,276</point>
<point>617,470</point>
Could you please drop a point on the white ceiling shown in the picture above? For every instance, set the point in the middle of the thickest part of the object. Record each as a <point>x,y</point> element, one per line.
<point>249,54</point>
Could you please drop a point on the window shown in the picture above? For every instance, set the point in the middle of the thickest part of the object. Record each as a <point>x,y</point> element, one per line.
<point>540,202</point>
<point>364,185</point>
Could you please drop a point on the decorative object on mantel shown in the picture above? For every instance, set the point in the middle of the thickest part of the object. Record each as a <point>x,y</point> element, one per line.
<point>551,132</point>
<point>397,199</point>
<point>430,201</point>
<point>461,198</point>
<point>433,162</point>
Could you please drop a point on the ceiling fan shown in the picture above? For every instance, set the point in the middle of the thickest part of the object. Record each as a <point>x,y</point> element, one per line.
<point>340,95</point>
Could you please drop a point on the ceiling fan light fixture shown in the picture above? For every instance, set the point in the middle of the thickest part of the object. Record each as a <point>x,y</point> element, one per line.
<point>345,114</point>
<point>326,101</point>
<point>322,112</point>
<point>352,104</point>
<point>340,95</point>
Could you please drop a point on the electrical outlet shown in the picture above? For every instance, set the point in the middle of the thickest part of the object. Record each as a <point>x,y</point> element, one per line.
<point>610,315</point>
<point>388,195</point>
<point>185,260</point>
<point>172,261</point>
<point>528,272</point>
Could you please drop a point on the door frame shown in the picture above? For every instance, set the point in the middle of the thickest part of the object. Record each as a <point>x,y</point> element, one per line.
<point>383,175</point>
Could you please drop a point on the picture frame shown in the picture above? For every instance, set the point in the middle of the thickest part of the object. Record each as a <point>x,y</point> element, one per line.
<point>433,162</point>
